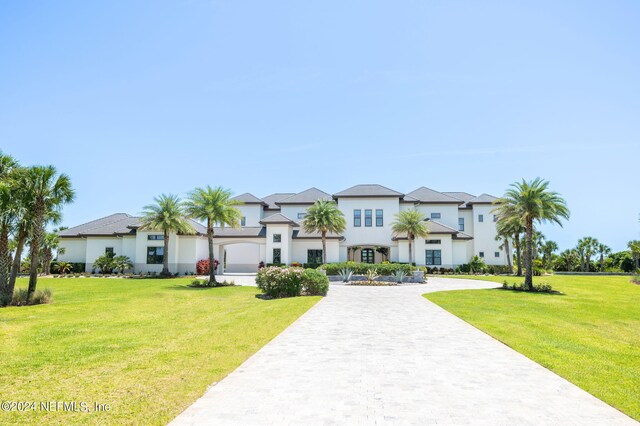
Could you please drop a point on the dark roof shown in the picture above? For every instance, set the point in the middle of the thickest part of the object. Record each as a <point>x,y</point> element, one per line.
<point>483,199</point>
<point>117,224</point>
<point>426,195</point>
<point>247,198</point>
<point>463,196</point>
<point>369,190</point>
<point>245,231</point>
<point>277,218</point>
<point>272,199</point>
<point>308,196</point>
<point>302,234</point>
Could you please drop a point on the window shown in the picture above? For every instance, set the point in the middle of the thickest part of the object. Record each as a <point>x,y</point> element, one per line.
<point>357,217</point>
<point>432,241</point>
<point>109,251</point>
<point>481,254</point>
<point>155,237</point>
<point>276,256</point>
<point>461,224</point>
<point>366,255</point>
<point>480,218</point>
<point>497,253</point>
<point>495,217</point>
<point>243,221</point>
<point>368,217</point>
<point>434,257</point>
<point>314,256</point>
<point>436,216</point>
<point>301,216</point>
<point>155,255</point>
<point>379,217</point>
<point>277,238</point>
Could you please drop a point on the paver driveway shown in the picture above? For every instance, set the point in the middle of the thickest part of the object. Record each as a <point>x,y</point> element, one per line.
<point>386,355</point>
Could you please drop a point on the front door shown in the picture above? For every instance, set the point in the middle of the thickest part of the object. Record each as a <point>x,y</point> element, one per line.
<point>366,255</point>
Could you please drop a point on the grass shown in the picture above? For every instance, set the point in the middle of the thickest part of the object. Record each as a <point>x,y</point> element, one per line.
<point>146,347</point>
<point>589,335</point>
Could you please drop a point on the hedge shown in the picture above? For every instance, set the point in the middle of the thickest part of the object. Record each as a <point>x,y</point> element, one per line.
<point>77,267</point>
<point>362,268</point>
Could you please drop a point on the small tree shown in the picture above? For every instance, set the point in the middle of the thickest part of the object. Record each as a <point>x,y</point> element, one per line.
<point>324,217</point>
<point>477,264</point>
<point>122,263</point>
<point>105,263</point>
<point>634,247</point>
<point>410,222</point>
<point>63,267</point>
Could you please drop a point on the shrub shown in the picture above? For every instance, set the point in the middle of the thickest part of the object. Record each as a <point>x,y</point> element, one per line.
<point>399,276</point>
<point>280,282</point>
<point>311,265</point>
<point>40,297</point>
<point>537,288</point>
<point>75,266</point>
<point>205,283</point>
<point>636,279</point>
<point>105,263</point>
<point>314,283</point>
<point>296,264</point>
<point>346,274</point>
<point>362,268</point>
<point>203,267</point>
<point>477,265</point>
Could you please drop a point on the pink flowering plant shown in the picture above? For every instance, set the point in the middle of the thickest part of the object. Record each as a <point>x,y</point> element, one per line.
<point>277,282</point>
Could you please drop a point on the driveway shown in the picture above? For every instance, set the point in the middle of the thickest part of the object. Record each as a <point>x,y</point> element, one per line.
<point>386,355</point>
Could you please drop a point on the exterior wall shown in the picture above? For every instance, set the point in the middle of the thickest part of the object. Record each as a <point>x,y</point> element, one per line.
<point>484,236</point>
<point>468,221</point>
<point>252,213</point>
<point>242,257</point>
<point>75,250</point>
<point>448,212</point>
<point>374,235</point>
<point>285,245</point>
<point>462,250</point>
<point>300,247</point>
<point>291,211</point>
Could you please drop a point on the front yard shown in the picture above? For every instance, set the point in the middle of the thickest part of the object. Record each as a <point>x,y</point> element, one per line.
<point>146,347</point>
<point>590,335</point>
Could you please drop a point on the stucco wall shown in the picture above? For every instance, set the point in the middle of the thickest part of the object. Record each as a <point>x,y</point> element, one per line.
<point>291,211</point>
<point>300,247</point>
<point>284,245</point>
<point>252,213</point>
<point>374,235</point>
<point>448,213</point>
<point>75,250</point>
<point>484,236</point>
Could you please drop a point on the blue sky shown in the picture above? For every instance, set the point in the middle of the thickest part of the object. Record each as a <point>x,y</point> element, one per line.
<point>133,99</point>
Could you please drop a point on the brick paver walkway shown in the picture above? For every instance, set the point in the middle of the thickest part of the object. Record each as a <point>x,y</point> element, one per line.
<point>386,355</point>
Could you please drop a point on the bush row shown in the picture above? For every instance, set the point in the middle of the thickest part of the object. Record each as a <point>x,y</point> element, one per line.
<point>76,267</point>
<point>362,268</point>
<point>279,282</point>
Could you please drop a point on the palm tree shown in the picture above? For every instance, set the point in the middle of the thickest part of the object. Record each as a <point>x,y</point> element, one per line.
<point>634,247</point>
<point>548,248</point>
<point>587,246</point>
<point>215,206</point>
<point>48,191</point>
<point>8,166</point>
<point>508,224</point>
<point>122,263</point>
<point>534,202</point>
<point>412,223</point>
<point>50,243</point>
<point>503,235</point>
<point>166,215</point>
<point>603,251</point>
<point>323,217</point>
<point>569,258</point>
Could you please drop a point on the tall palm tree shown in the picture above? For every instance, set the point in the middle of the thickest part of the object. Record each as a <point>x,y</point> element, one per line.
<point>569,258</point>
<point>587,246</point>
<point>324,217</point>
<point>215,206</point>
<point>8,167</point>
<point>50,243</point>
<point>509,224</point>
<point>534,202</point>
<point>603,251</point>
<point>412,223</point>
<point>166,215</point>
<point>48,191</point>
<point>548,248</point>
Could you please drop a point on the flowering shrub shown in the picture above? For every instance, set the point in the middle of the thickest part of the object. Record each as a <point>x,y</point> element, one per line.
<point>278,282</point>
<point>363,268</point>
<point>202,267</point>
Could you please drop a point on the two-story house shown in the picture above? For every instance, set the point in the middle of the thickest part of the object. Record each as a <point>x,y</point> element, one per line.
<point>460,226</point>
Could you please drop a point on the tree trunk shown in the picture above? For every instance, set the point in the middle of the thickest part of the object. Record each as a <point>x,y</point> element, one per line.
<point>212,260</point>
<point>410,253</point>
<point>5,295</point>
<point>518,253</point>
<point>15,269</point>
<point>508,251</point>
<point>528,279</point>
<point>34,247</point>
<point>165,258</point>
<point>324,247</point>
<point>601,263</point>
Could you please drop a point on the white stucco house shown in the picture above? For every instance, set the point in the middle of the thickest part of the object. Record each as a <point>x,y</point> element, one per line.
<point>461,225</point>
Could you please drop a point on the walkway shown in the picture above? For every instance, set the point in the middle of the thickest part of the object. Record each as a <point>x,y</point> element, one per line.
<point>386,355</point>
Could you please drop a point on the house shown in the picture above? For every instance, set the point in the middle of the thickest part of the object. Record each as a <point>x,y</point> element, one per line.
<point>460,226</point>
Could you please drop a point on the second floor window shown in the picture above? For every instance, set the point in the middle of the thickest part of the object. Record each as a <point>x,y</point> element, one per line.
<point>368,217</point>
<point>461,224</point>
<point>480,218</point>
<point>301,216</point>
<point>436,216</point>
<point>357,217</point>
<point>243,221</point>
<point>379,217</point>
<point>277,238</point>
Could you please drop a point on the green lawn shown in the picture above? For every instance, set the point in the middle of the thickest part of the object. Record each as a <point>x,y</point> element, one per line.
<point>148,348</point>
<point>590,335</point>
